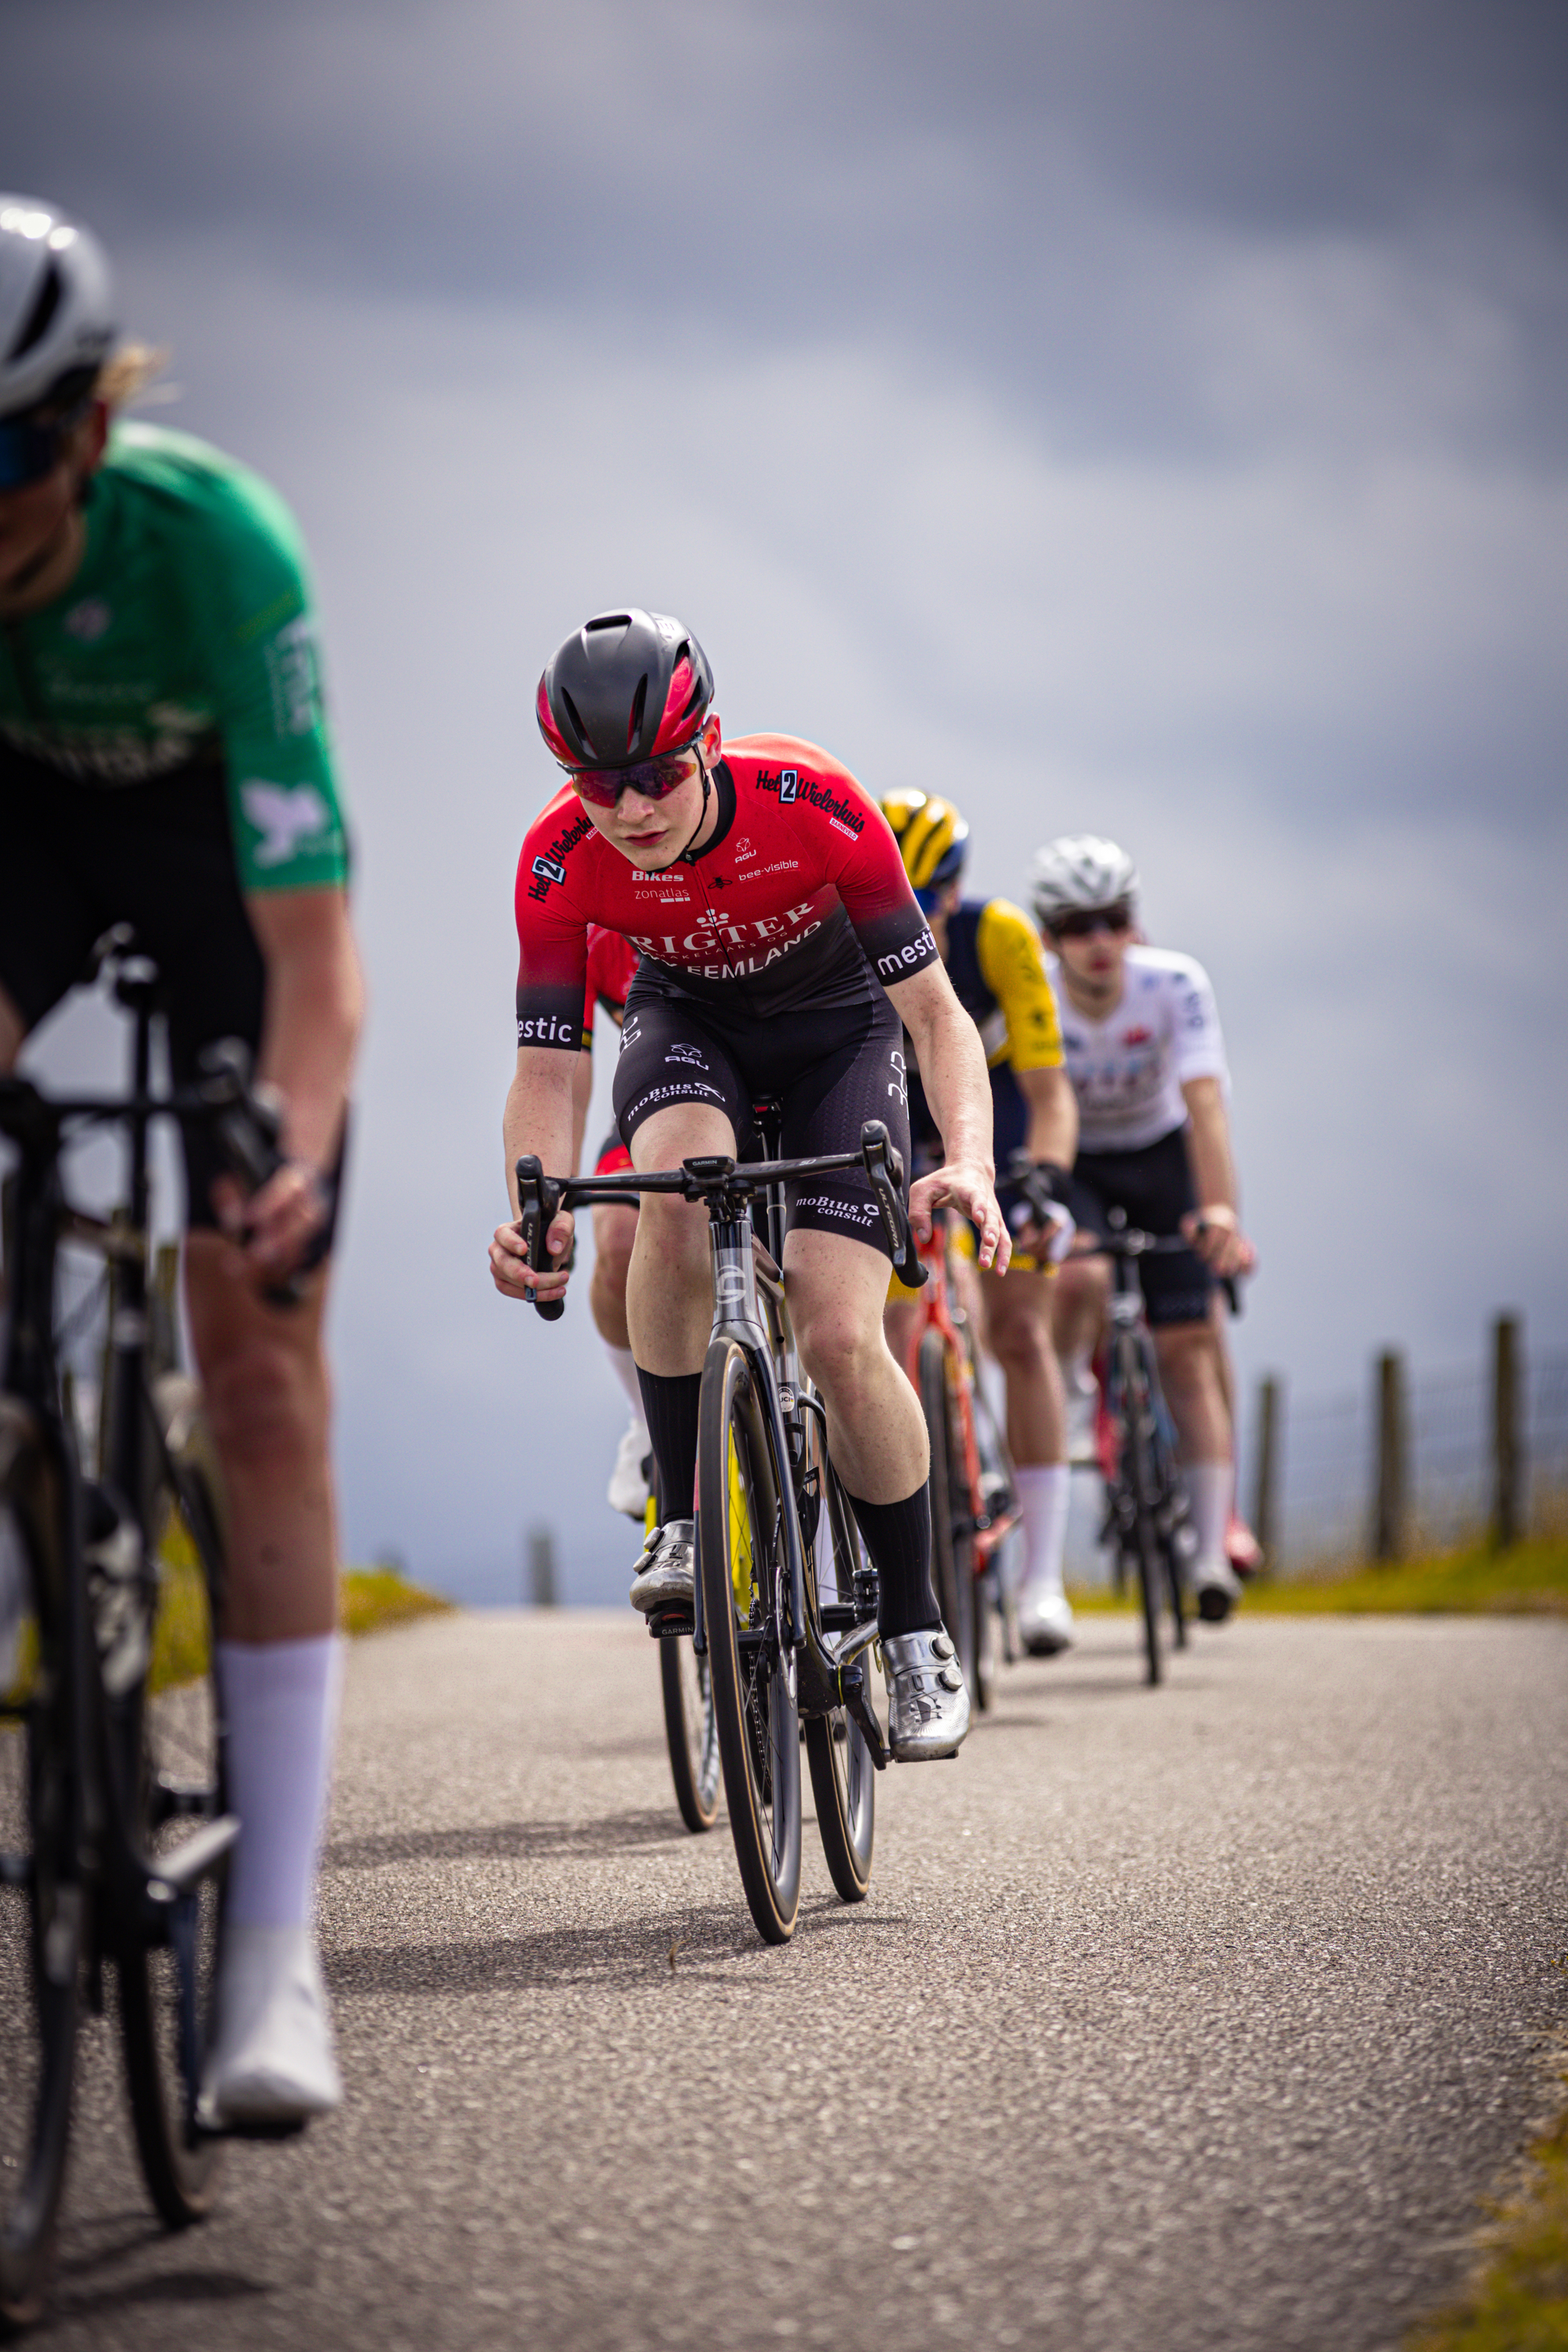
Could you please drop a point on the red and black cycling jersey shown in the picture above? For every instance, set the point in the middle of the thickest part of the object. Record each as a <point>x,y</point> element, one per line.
<point>800,897</point>
<point>612,968</point>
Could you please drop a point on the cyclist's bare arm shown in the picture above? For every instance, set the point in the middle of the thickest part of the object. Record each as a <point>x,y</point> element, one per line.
<point>1214,1228</point>
<point>958,1088</point>
<point>539,1119</point>
<point>582,1089</point>
<point>1052,1105</point>
<point>310,1028</point>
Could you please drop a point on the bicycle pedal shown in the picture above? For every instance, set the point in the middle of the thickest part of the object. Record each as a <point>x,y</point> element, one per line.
<point>669,1623</point>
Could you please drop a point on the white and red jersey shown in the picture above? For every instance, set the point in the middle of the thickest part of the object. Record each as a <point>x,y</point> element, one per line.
<point>800,897</point>
<point>1128,1070</point>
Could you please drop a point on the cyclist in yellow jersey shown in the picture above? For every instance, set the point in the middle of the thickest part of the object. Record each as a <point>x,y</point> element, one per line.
<point>996,963</point>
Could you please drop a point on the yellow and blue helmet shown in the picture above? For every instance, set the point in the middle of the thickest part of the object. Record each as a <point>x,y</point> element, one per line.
<point>934,841</point>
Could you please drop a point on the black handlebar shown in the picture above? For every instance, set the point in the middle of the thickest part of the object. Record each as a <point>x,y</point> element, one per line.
<point>718,1181</point>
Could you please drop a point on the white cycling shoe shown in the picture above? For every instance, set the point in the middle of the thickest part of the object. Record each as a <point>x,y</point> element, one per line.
<point>927,1703</point>
<point>1045,1620</point>
<point>666,1575</point>
<point>1217,1588</point>
<point>628,1489</point>
<point>271,2065</point>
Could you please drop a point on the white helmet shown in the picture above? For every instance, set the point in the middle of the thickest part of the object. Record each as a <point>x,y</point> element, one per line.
<point>55,300</point>
<point>1080,870</point>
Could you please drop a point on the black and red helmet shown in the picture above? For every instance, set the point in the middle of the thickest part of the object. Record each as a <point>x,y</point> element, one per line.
<point>623,688</point>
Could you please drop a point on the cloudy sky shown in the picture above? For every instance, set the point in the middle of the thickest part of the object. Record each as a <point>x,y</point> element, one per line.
<point>1121,417</point>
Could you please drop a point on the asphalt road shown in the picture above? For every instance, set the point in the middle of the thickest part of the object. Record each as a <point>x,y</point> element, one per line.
<point>1190,2019</point>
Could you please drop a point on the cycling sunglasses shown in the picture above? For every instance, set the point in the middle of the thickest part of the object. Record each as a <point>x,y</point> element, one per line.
<point>651,780</point>
<point>1084,924</point>
<point>29,450</point>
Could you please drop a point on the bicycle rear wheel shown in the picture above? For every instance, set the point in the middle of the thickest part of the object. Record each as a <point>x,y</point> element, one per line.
<point>951,1541</point>
<point>689,1730</point>
<point>167,1735</point>
<point>843,1777</point>
<point>753,1680</point>
<point>42,1902</point>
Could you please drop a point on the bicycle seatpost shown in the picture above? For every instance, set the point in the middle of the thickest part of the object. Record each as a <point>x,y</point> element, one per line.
<point>537,1198</point>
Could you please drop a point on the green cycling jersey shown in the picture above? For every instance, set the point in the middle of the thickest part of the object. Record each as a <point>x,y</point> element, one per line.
<point>186,635</point>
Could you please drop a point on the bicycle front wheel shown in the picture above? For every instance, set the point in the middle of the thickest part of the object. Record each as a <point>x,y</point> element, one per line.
<point>753,1683</point>
<point>951,1541</point>
<point>42,1914</point>
<point>167,1734</point>
<point>1144,1536</point>
<point>689,1730</point>
<point>843,1777</point>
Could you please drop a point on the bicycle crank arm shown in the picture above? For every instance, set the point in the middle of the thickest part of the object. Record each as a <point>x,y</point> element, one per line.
<point>853,1682</point>
<point>198,1858</point>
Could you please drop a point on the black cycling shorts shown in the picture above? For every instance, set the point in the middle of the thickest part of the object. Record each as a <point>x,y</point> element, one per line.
<point>829,1070</point>
<point>76,858</point>
<point>1154,1187</point>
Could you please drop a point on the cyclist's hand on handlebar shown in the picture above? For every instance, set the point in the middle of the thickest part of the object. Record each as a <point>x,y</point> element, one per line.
<point>1048,1242</point>
<point>966,1187</point>
<point>509,1269</point>
<point>1215,1233</point>
<point>276,1225</point>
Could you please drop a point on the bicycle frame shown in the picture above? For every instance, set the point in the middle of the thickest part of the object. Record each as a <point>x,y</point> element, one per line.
<point>990,1532</point>
<point>750,1309</point>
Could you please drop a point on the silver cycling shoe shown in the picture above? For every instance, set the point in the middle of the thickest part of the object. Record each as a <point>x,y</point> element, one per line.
<point>928,1705</point>
<point>666,1575</point>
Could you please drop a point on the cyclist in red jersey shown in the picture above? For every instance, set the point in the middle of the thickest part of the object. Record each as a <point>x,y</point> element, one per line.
<point>782,954</point>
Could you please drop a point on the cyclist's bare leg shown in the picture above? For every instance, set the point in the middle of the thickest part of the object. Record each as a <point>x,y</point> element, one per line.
<point>615,1235</point>
<point>1017,1312</point>
<point>264,1377</point>
<point>1082,1290</point>
<point>12,1033</point>
<point>670,1295</point>
<point>1191,1373</point>
<point>837,1288</point>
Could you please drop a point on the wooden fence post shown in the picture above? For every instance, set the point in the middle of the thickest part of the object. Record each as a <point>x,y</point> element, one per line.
<point>1265,1485</point>
<point>542,1590</point>
<point>1390,1497</point>
<point>1508,1445</point>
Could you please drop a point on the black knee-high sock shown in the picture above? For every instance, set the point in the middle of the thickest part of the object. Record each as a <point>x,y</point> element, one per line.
<point>669,1408</point>
<point>897,1537</point>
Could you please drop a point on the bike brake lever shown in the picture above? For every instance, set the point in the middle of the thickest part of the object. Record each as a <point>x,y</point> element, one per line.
<point>885,1168</point>
<point>537,1198</point>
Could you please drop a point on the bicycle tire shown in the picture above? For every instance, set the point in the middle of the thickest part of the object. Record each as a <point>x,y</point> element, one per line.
<point>754,1685</point>
<point>843,1777</point>
<point>42,1904</point>
<point>167,1735</point>
<point>951,1546</point>
<point>686,1681</point>
<point>1137,1468</point>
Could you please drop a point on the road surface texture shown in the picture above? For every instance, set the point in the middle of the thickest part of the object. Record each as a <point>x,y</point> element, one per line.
<point>1192,2018</point>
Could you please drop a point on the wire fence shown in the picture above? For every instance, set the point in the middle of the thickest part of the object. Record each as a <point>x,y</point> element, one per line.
<point>1327,1461</point>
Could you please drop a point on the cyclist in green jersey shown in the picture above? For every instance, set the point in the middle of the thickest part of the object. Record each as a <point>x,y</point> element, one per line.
<point>163,761</point>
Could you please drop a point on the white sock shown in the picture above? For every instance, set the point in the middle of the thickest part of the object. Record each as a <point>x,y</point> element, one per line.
<point>1043,1493</point>
<point>1211,1486</point>
<point>625,1371</point>
<point>280,1699</point>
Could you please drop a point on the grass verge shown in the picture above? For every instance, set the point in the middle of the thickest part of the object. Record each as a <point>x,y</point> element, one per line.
<point>1518,2299</point>
<point>370,1599</point>
<point>1527,1580</point>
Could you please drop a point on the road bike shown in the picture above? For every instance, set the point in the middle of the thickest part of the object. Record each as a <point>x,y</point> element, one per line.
<point>973,1501</point>
<point>784,1613</point>
<point>114,1831</point>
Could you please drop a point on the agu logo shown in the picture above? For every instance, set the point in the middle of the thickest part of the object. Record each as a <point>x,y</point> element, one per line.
<point>549,870</point>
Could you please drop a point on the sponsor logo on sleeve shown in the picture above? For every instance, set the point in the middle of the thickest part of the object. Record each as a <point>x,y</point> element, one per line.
<point>293,676</point>
<point>902,960</point>
<point>550,865</point>
<point>792,787</point>
<point>289,817</point>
